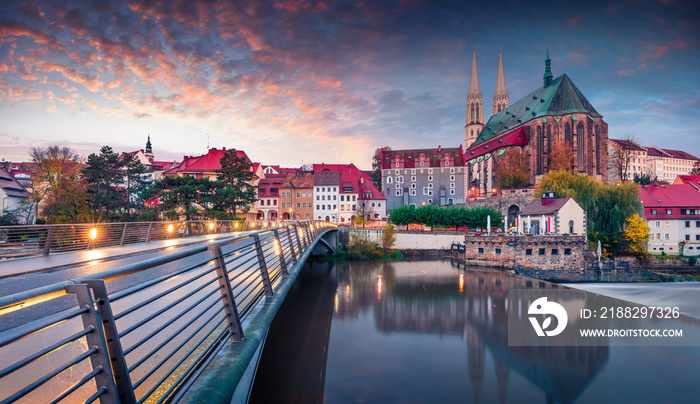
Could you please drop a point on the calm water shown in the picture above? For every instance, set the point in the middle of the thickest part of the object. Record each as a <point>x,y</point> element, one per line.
<point>430,332</point>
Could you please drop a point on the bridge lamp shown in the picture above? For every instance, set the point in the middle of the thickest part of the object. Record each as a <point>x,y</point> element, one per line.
<point>93,233</point>
<point>235,225</point>
<point>170,228</point>
<point>211,226</point>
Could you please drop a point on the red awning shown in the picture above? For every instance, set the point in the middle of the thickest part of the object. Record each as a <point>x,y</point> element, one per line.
<point>516,137</point>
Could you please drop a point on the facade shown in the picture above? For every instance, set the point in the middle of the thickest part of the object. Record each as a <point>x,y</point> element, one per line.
<point>625,160</point>
<point>666,164</point>
<point>14,199</point>
<point>673,216</point>
<point>359,196</point>
<point>423,176</point>
<point>555,216</point>
<point>296,196</point>
<point>326,186</point>
<point>554,115</point>
<point>269,197</point>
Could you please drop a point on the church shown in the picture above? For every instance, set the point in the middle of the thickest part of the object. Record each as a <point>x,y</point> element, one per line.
<point>555,115</point>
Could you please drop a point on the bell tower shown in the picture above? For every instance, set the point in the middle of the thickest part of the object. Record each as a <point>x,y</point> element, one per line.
<point>500,97</point>
<point>474,117</point>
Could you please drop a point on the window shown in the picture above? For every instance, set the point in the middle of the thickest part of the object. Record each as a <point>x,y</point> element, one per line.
<point>658,224</point>
<point>413,178</point>
<point>335,206</point>
<point>541,251</point>
<point>528,251</point>
<point>323,197</point>
<point>373,204</point>
<point>413,192</point>
<point>297,194</point>
<point>668,212</point>
<point>687,237</point>
<point>653,212</point>
<point>687,223</point>
<point>651,236</point>
<point>298,205</point>
<point>498,250</point>
<point>697,223</point>
<point>354,197</point>
<point>452,192</point>
<point>430,178</point>
<point>306,215</point>
<point>667,236</point>
<point>323,189</point>
<point>335,197</point>
<point>426,190</point>
<point>388,180</point>
<point>667,224</point>
<point>413,186</point>
<point>555,251</point>
<point>318,207</point>
<point>334,189</point>
<point>481,250</point>
<point>430,201</point>
<point>398,186</point>
<point>658,236</point>
<point>342,198</point>
<point>452,177</point>
<point>452,185</point>
<point>303,205</point>
<point>567,251</point>
<point>399,192</point>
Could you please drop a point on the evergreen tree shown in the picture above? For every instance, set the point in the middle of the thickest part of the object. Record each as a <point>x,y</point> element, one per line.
<point>238,185</point>
<point>135,180</point>
<point>376,174</point>
<point>103,176</point>
<point>182,194</point>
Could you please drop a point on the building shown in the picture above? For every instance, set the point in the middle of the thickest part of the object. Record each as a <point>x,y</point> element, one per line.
<point>555,216</point>
<point>423,176</point>
<point>626,159</point>
<point>666,164</point>
<point>269,197</point>
<point>15,200</point>
<point>555,115</point>
<point>359,196</point>
<point>205,166</point>
<point>673,216</point>
<point>326,186</point>
<point>296,196</point>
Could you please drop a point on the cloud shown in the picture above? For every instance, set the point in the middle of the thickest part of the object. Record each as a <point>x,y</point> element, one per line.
<point>573,21</point>
<point>625,72</point>
<point>139,115</point>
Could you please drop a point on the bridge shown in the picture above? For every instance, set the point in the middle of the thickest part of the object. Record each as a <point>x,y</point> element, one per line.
<point>192,332</point>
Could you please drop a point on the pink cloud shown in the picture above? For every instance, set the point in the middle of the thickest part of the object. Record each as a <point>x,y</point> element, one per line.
<point>573,21</point>
<point>625,72</point>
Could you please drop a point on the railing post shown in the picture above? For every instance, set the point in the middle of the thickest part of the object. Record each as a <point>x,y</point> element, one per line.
<point>49,238</point>
<point>267,285</point>
<point>291,245</point>
<point>234,320</point>
<point>123,234</point>
<point>283,260</point>
<point>120,370</point>
<point>95,339</point>
<point>148,236</point>
<point>307,234</point>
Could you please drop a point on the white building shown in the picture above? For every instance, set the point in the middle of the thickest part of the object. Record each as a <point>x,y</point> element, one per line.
<point>326,192</point>
<point>666,164</point>
<point>13,200</point>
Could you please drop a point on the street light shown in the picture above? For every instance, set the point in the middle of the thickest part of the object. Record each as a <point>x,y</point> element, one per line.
<point>93,236</point>
<point>170,230</point>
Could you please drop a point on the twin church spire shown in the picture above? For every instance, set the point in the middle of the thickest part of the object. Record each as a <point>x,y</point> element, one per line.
<point>474,118</point>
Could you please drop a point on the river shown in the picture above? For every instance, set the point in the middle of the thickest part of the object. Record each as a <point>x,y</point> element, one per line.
<point>435,332</point>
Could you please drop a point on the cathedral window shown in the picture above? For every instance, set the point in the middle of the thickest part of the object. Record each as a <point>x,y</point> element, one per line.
<point>549,139</point>
<point>580,147</point>
<point>567,135</point>
<point>540,150</point>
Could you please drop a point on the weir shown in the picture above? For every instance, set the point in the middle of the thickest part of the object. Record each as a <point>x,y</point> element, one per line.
<point>192,335</point>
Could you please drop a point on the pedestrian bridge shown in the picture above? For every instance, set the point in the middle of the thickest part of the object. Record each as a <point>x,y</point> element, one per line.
<point>192,335</point>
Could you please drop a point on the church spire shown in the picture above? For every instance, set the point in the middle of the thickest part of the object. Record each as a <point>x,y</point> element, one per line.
<point>474,116</point>
<point>500,98</point>
<point>149,148</point>
<point>547,70</point>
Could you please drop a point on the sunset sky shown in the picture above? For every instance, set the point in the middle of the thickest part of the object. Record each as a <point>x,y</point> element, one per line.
<point>329,81</point>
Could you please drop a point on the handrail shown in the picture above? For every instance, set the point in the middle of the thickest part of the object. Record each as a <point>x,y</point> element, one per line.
<point>147,342</point>
<point>32,240</point>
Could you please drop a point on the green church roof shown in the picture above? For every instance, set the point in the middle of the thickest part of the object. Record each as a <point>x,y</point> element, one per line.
<point>560,97</point>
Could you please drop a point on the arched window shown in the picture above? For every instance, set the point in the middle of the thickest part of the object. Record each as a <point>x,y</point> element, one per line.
<point>447,160</point>
<point>472,114</point>
<point>397,163</point>
<point>476,118</point>
<point>549,139</point>
<point>580,147</point>
<point>540,150</point>
<point>421,160</point>
<point>597,149</point>
<point>567,135</point>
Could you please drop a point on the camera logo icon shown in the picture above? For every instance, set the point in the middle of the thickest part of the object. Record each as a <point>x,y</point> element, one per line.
<point>550,309</point>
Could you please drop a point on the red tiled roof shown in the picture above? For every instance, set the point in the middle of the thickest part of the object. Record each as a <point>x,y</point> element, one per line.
<point>10,185</point>
<point>670,153</point>
<point>546,206</point>
<point>629,145</point>
<point>204,164</point>
<point>688,179</point>
<point>432,156</point>
<point>516,137</point>
<point>661,197</point>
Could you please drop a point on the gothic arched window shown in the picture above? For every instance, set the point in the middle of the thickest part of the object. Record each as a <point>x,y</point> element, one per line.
<point>540,150</point>
<point>580,147</point>
<point>567,135</point>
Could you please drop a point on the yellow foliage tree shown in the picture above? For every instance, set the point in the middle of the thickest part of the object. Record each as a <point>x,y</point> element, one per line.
<point>637,234</point>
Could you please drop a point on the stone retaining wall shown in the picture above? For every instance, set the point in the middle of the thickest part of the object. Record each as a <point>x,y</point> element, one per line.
<point>548,253</point>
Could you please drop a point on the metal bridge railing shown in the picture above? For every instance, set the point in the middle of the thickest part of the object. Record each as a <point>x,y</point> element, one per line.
<point>145,343</point>
<point>23,241</point>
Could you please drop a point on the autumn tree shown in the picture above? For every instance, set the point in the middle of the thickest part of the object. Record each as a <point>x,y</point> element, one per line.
<point>69,203</point>
<point>622,155</point>
<point>637,234</point>
<point>237,181</point>
<point>561,158</point>
<point>50,166</point>
<point>376,173</point>
<point>512,170</point>
<point>102,176</point>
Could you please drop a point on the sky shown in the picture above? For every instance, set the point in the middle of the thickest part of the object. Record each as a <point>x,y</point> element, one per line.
<point>306,81</point>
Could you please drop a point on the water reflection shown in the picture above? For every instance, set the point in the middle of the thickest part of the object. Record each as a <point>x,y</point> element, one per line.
<point>419,332</point>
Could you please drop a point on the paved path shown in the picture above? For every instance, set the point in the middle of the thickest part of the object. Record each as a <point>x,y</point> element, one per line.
<point>19,266</point>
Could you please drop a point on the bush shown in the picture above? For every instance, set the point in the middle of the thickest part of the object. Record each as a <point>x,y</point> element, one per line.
<point>692,261</point>
<point>361,248</point>
<point>388,237</point>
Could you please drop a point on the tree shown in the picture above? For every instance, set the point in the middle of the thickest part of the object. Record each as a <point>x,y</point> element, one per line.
<point>561,158</point>
<point>102,176</point>
<point>238,188</point>
<point>364,213</point>
<point>512,170</point>
<point>376,173</point>
<point>622,155</point>
<point>178,193</point>
<point>68,204</point>
<point>388,237</point>
<point>696,168</point>
<point>134,179</point>
<point>637,234</point>
<point>51,165</point>
<point>607,206</point>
